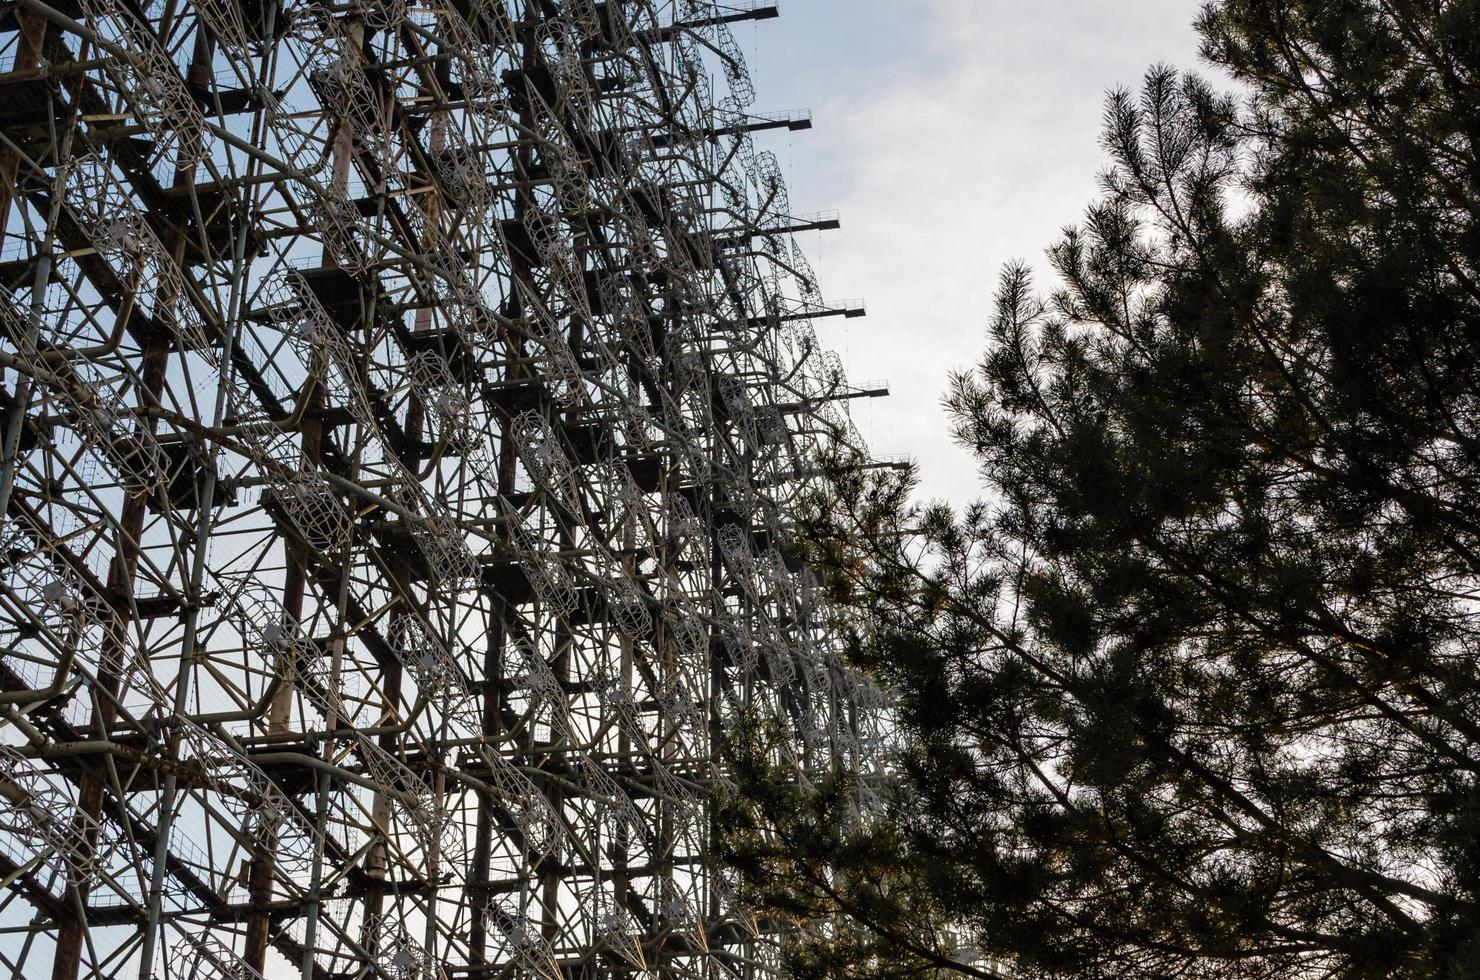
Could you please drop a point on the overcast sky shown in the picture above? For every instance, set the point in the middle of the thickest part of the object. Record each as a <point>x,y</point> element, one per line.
<point>954,136</point>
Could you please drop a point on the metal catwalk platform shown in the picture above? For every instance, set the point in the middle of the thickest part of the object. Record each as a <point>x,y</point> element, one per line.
<point>401,407</point>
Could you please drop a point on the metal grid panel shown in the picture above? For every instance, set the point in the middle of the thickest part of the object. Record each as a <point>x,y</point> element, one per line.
<point>402,403</point>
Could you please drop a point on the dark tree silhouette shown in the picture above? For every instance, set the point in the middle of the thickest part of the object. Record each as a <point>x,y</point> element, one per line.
<point>1194,691</point>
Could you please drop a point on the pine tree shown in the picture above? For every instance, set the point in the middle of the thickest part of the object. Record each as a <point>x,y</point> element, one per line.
<point>1193,692</point>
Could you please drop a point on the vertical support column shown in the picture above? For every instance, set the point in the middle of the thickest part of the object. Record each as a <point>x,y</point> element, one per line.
<point>32,28</point>
<point>263,870</point>
<point>120,589</point>
<point>120,584</point>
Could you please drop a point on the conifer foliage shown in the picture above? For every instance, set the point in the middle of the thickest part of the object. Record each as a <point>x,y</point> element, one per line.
<point>1195,691</point>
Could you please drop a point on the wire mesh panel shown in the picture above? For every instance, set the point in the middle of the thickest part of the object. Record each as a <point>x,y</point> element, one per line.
<point>402,406</point>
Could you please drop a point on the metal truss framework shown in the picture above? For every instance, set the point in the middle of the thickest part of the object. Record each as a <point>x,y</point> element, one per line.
<point>402,403</point>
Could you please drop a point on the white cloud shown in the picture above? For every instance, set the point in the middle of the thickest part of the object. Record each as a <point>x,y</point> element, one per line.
<point>973,149</point>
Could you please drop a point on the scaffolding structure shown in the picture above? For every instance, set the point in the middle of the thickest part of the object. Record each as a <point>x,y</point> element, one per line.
<point>401,406</point>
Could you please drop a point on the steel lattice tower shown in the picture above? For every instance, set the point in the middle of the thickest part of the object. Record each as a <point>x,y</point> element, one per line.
<point>402,403</point>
